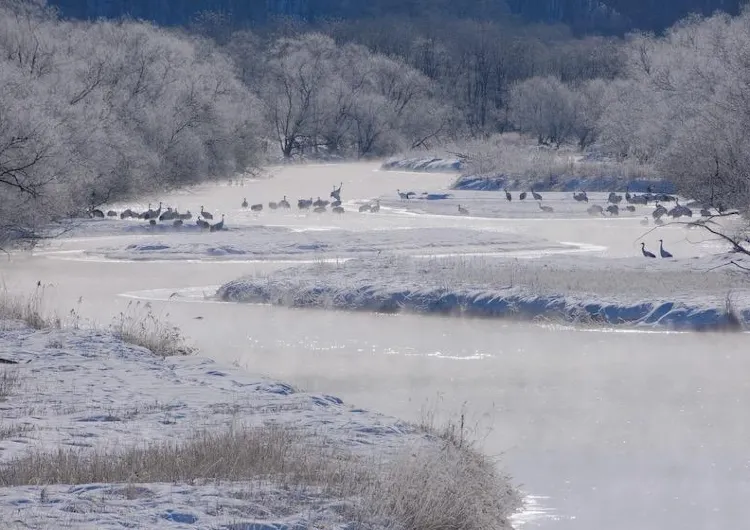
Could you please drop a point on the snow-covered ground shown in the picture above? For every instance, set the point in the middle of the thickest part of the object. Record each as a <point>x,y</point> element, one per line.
<point>86,391</point>
<point>599,183</point>
<point>570,289</point>
<point>519,165</point>
<point>274,243</point>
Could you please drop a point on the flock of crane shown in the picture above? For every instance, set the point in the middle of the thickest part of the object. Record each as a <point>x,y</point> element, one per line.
<point>321,205</point>
<point>202,220</point>
<point>613,204</point>
<point>318,206</point>
<point>170,214</point>
<point>613,209</point>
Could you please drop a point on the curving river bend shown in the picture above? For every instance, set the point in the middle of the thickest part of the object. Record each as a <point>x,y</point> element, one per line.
<point>615,430</point>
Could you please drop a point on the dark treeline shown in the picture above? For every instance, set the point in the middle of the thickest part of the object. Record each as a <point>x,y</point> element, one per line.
<point>600,16</point>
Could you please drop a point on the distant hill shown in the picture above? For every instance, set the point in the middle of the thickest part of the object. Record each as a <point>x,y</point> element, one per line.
<point>584,15</point>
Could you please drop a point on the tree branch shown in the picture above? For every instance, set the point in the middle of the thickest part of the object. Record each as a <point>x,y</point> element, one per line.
<point>703,223</point>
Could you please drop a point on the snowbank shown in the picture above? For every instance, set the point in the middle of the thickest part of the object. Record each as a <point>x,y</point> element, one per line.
<point>268,243</point>
<point>497,182</point>
<point>87,391</point>
<point>427,165</point>
<point>562,183</point>
<point>408,285</point>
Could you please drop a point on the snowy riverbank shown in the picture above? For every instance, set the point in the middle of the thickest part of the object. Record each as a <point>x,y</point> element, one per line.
<point>427,165</point>
<point>77,396</point>
<point>562,289</point>
<point>568,183</point>
<point>568,177</point>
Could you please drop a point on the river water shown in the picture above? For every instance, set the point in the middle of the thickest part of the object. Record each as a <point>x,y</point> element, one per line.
<point>606,429</point>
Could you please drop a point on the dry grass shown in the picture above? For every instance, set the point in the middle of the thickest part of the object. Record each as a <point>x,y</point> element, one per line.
<point>29,309</point>
<point>244,454</point>
<point>452,485</point>
<point>733,318</point>
<point>441,486</point>
<point>12,430</point>
<point>139,325</point>
<point>8,381</point>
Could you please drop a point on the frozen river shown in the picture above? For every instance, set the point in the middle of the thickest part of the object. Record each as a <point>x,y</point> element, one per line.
<point>615,430</point>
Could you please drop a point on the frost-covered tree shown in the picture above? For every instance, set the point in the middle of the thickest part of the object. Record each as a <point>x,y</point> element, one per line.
<point>544,107</point>
<point>93,112</point>
<point>296,72</point>
<point>588,108</point>
<point>343,99</point>
<point>684,106</point>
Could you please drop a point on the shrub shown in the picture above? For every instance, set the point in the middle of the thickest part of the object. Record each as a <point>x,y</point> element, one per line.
<point>140,326</point>
<point>432,487</point>
<point>8,381</point>
<point>28,309</point>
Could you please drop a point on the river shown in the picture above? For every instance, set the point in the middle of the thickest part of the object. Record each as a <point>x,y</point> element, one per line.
<point>606,429</point>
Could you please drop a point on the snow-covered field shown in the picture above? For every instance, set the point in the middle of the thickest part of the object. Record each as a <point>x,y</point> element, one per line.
<point>562,280</point>
<point>85,392</point>
<point>569,184</point>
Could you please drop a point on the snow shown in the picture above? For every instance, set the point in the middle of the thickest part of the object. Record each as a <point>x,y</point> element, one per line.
<point>431,165</point>
<point>174,506</point>
<point>273,243</point>
<point>85,389</point>
<point>260,244</point>
<point>469,180</point>
<point>564,289</point>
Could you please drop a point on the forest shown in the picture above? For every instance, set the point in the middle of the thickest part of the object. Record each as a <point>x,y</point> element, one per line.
<point>600,16</point>
<point>95,111</point>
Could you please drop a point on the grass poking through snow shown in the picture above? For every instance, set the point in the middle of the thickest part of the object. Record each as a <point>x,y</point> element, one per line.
<point>29,309</point>
<point>430,487</point>
<point>139,325</point>
<point>441,488</point>
<point>8,381</point>
<point>233,455</point>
